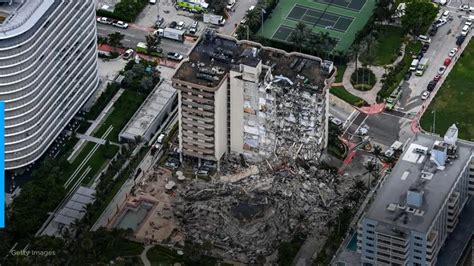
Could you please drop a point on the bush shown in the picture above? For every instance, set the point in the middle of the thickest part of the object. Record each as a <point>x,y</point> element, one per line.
<point>126,10</point>
<point>363,79</point>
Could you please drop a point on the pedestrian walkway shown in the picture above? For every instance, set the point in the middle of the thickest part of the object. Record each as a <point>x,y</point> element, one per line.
<point>91,139</point>
<point>376,108</point>
<point>369,96</point>
<point>143,256</point>
<point>160,61</point>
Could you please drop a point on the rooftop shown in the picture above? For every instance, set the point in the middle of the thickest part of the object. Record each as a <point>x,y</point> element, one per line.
<point>429,184</point>
<point>215,55</point>
<point>154,104</point>
<point>18,16</point>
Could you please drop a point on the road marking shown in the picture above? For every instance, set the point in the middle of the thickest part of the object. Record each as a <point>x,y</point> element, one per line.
<point>359,126</point>
<point>127,40</point>
<point>401,117</point>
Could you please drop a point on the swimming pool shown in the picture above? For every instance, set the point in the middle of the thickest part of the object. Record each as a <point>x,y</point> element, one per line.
<point>352,245</point>
<point>133,217</point>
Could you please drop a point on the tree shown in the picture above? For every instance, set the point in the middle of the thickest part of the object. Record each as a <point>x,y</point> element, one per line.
<point>418,16</point>
<point>115,39</point>
<point>298,36</point>
<point>382,10</point>
<point>354,55</point>
<point>253,19</point>
<point>217,5</point>
<point>152,43</point>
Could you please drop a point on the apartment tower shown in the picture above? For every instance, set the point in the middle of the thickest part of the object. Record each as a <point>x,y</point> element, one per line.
<point>48,70</point>
<point>229,98</point>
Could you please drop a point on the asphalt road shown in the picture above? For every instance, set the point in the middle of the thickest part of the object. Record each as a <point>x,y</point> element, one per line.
<point>441,44</point>
<point>135,35</point>
<point>238,13</point>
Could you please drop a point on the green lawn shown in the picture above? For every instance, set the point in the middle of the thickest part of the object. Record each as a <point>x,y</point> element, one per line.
<point>387,45</point>
<point>340,73</point>
<point>453,102</point>
<point>161,256</point>
<point>346,96</point>
<point>280,13</point>
<point>124,108</point>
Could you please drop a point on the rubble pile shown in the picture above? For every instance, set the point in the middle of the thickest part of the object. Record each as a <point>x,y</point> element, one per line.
<point>252,216</point>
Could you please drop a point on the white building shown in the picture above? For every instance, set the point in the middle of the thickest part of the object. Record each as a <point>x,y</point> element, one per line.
<point>239,97</point>
<point>48,70</point>
<point>419,203</point>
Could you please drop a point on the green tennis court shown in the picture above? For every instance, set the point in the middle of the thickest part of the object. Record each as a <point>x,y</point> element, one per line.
<point>342,19</point>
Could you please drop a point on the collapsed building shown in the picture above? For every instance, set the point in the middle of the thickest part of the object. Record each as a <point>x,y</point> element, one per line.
<point>237,97</point>
<point>266,110</point>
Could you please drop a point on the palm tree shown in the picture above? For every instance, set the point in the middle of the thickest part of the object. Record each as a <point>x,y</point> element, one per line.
<point>151,44</point>
<point>314,43</point>
<point>253,18</point>
<point>115,39</point>
<point>299,35</point>
<point>354,54</point>
<point>377,152</point>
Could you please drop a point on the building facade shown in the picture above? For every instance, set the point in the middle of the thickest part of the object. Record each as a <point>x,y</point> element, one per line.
<point>231,93</point>
<point>418,204</point>
<point>48,70</point>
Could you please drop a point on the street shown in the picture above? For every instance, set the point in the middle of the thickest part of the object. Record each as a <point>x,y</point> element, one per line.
<point>240,9</point>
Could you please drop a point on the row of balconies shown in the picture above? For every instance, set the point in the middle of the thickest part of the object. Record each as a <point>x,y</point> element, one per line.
<point>13,123</point>
<point>52,59</point>
<point>59,20</point>
<point>21,146</point>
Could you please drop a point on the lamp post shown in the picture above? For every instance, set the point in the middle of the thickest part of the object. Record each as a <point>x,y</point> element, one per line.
<point>263,12</point>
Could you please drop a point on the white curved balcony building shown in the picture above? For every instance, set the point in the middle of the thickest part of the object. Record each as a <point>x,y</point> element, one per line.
<point>48,70</point>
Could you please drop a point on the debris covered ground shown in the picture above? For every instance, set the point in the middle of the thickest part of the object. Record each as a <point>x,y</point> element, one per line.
<point>251,216</point>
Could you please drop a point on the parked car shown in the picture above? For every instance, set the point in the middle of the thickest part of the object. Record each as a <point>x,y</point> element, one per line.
<point>465,30</point>
<point>173,24</point>
<point>440,22</point>
<point>441,70</point>
<point>407,75</point>
<point>180,25</point>
<point>424,38</point>
<point>129,53</point>
<point>159,22</point>
<point>437,78</point>
<point>453,52</point>
<point>104,20</point>
<point>175,56</point>
<point>460,39</point>
<point>447,61</point>
<point>120,24</point>
<point>433,31</point>
<point>425,48</point>
<point>336,121</point>
<point>445,15</point>
<point>425,95</point>
<point>464,8</point>
<point>431,85</point>
<point>468,23</point>
<point>243,21</point>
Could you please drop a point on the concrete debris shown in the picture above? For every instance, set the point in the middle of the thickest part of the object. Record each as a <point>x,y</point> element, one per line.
<point>251,216</point>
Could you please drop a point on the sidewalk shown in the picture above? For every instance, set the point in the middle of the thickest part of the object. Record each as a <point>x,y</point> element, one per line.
<point>160,61</point>
<point>369,96</point>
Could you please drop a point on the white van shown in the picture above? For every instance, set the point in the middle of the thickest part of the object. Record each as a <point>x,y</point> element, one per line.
<point>152,2</point>
<point>465,30</point>
<point>161,137</point>
<point>424,38</point>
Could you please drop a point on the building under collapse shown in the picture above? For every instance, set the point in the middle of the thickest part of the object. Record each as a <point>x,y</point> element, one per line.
<point>239,97</point>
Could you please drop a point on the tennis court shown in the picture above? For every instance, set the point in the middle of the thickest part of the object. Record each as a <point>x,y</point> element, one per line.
<point>349,4</point>
<point>342,19</point>
<point>320,18</point>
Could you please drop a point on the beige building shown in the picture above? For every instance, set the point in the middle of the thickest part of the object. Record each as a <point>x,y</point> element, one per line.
<point>239,97</point>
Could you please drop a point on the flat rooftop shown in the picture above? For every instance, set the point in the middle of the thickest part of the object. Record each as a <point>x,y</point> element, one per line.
<point>219,54</point>
<point>20,16</point>
<point>407,173</point>
<point>153,106</point>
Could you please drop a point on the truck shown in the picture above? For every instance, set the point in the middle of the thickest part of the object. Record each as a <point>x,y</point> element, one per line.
<point>172,34</point>
<point>422,66</point>
<point>214,19</point>
<point>393,98</point>
<point>414,64</point>
<point>198,6</point>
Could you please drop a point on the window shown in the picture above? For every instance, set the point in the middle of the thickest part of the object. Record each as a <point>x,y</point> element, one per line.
<point>370,232</point>
<point>417,250</point>
<point>370,238</point>
<point>369,251</point>
<point>418,244</point>
<point>370,225</point>
<point>370,245</point>
<point>418,238</point>
<point>417,257</point>
<point>369,257</point>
